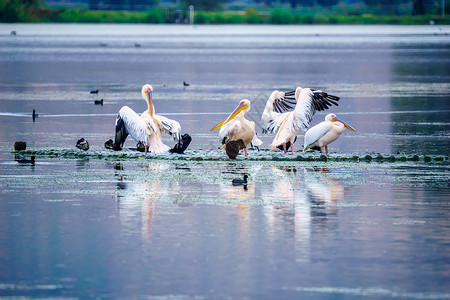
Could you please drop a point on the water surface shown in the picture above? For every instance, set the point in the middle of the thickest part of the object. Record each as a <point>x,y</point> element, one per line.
<point>105,226</point>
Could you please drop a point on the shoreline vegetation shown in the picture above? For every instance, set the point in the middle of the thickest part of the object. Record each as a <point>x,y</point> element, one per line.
<point>278,15</point>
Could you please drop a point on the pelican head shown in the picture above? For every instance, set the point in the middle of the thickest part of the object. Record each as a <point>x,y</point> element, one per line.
<point>147,91</point>
<point>243,107</point>
<point>333,118</point>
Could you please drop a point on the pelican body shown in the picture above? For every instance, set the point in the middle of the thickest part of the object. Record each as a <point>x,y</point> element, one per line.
<point>286,124</point>
<point>146,128</point>
<point>237,127</point>
<point>325,133</point>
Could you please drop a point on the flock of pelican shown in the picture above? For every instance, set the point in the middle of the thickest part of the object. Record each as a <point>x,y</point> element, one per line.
<point>285,114</point>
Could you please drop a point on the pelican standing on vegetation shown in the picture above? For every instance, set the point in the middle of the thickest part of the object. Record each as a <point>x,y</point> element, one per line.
<point>146,128</point>
<point>325,133</point>
<point>237,127</point>
<point>277,118</point>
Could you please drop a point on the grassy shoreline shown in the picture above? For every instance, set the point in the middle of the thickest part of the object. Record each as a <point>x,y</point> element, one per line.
<point>250,16</point>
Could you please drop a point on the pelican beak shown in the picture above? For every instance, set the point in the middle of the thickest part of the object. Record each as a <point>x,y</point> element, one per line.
<point>346,125</point>
<point>238,109</point>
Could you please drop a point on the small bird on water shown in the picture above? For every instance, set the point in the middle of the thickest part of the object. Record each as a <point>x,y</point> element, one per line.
<point>185,83</point>
<point>98,102</point>
<point>35,115</point>
<point>82,144</point>
<point>19,146</point>
<point>94,92</point>
<point>237,182</point>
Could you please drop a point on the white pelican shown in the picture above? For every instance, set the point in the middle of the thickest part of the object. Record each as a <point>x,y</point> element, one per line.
<point>325,132</point>
<point>237,127</point>
<point>277,118</point>
<point>147,127</point>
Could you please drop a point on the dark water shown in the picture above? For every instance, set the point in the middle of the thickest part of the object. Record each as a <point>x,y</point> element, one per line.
<point>164,229</point>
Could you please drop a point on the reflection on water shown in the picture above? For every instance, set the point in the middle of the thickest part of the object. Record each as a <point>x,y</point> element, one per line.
<point>292,199</point>
<point>135,223</point>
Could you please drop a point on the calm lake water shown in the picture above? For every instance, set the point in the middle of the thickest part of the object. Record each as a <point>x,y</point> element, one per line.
<point>80,226</point>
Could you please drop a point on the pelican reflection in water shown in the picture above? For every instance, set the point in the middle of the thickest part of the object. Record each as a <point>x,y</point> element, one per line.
<point>298,198</point>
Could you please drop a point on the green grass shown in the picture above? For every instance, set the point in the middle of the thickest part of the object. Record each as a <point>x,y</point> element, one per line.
<point>279,15</point>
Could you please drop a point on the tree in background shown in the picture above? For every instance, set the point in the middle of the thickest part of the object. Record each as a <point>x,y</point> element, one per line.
<point>386,7</point>
<point>142,4</point>
<point>209,5</point>
<point>295,3</point>
<point>17,10</point>
<point>122,4</point>
<point>94,4</point>
<point>418,7</point>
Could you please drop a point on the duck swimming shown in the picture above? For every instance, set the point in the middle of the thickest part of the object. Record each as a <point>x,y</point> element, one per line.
<point>237,182</point>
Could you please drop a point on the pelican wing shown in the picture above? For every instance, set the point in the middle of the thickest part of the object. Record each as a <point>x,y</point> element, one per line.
<point>315,133</point>
<point>228,130</point>
<point>309,101</point>
<point>277,104</point>
<point>323,100</point>
<point>284,101</point>
<point>169,126</point>
<point>128,122</point>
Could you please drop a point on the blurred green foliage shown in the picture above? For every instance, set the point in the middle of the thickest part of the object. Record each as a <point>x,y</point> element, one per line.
<point>358,13</point>
<point>18,10</point>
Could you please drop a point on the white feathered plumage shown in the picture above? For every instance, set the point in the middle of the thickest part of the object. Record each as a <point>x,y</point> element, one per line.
<point>325,132</point>
<point>145,128</point>
<point>236,127</point>
<point>277,118</point>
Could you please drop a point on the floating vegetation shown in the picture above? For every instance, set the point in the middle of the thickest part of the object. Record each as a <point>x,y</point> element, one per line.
<point>217,155</point>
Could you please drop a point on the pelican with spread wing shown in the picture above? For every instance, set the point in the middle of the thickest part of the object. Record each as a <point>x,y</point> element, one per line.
<point>286,113</point>
<point>236,127</point>
<point>146,128</point>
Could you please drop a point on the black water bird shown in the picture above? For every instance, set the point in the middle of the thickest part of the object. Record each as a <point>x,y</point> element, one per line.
<point>137,45</point>
<point>181,146</point>
<point>109,144</point>
<point>94,92</point>
<point>139,147</point>
<point>82,144</point>
<point>35,115</point>
<point>185,83</point>
<point>98,102</point>
<point>13,32</point>
<point>19,146</point>
<point>237,182</point>
<point>103,44</point>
